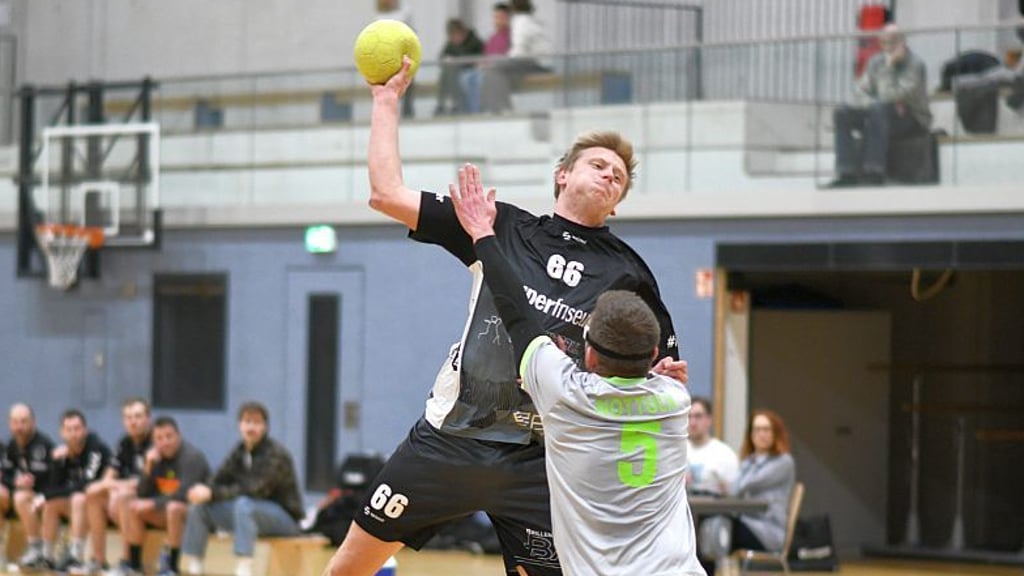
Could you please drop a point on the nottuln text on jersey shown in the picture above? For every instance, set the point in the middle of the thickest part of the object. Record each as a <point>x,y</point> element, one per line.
<point>646,405</point>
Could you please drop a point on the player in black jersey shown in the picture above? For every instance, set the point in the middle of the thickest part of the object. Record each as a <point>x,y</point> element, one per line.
<point>79,462</point>
<point>111,496</point>
<point>27,466</point>
<point>479,445</point>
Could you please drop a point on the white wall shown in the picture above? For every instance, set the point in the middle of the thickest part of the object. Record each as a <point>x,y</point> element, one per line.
<point>126,39</point>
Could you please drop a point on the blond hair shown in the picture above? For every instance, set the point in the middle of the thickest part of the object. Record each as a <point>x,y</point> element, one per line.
<point>600,139</point>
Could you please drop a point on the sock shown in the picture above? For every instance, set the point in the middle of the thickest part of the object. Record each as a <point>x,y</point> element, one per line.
<point>35,543</point>
<point>175,553</point>
<point>135,557</point>
<point>78,549</point>
<point>48,549</point>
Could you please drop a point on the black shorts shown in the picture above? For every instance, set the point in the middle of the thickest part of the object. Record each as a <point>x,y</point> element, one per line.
<point>434,478</point>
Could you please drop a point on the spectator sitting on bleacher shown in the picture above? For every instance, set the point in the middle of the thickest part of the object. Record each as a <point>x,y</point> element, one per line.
<point>27,467</point>
<point>497,45</point>
<point>1009,75</point>
<point>111,496</point>
<point>254,493</point>
<point>529,41</point>
<point>894,105</point>
<point>80,461</point>
<point>462,41</point>
<point>172,467</point>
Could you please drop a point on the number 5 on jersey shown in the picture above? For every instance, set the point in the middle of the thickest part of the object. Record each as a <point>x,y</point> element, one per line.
<point>639,436</point>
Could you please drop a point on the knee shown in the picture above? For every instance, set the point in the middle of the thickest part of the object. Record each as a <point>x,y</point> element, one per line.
<point>23,498</point>
<point>243,507</point>
<point>78,499</point>
<point>176,510</point>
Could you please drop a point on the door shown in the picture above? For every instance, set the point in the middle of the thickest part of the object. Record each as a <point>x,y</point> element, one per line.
<point>324,371</point>
<point>812,367</point>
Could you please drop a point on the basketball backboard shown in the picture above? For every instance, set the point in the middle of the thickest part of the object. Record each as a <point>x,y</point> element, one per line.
<point>104,176</point>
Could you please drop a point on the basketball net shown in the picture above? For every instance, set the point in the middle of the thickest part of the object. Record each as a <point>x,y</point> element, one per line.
<point>64,247</point>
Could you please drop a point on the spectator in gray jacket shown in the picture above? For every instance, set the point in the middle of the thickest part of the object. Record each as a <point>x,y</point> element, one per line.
<point>172,467</point>
<point>893,104</point>
<point>767,472</point>
<point>255,493</point>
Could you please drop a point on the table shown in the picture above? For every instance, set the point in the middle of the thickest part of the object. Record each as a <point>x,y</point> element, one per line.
<point>707,505</point>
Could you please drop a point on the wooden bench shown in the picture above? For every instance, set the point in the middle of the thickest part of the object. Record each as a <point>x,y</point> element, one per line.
<point>304,555</point>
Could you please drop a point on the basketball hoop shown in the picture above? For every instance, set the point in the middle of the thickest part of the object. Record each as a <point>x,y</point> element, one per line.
<point>64,246</point>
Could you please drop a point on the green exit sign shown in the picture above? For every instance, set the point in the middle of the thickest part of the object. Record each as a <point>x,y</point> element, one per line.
<point>321,240</point>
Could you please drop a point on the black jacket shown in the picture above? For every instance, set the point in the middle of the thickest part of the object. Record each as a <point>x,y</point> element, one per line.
<point>267,473</point>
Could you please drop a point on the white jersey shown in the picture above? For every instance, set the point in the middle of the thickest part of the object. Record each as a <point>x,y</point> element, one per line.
<point>714,467</point>
<point>616,463</point>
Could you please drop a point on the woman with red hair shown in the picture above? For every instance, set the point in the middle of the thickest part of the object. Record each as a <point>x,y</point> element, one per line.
<point>767,472</point>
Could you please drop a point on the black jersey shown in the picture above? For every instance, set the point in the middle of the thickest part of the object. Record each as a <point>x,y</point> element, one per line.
<point>564,267</point>
<point>131,457</point>
<point>74,472</point>
<point>35,459</point>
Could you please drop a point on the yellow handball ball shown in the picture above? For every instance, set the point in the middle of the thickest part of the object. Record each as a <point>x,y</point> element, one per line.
<point>379,49</point>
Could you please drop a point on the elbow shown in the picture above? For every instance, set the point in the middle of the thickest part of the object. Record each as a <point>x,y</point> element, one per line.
<point>381,196</point>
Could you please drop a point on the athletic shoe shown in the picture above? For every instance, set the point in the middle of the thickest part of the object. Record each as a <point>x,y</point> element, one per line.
<point>70,565</point>
<point>92,568</point>
<point>124,568</point>
<point>34,561</point>
<point>165,568</point>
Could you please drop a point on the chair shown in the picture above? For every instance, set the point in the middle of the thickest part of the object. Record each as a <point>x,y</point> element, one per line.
<point>746,557</point>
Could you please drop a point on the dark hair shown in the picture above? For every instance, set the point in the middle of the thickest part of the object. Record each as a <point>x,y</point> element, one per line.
<point>703,401</point>
<point>624,333</point>
<point>455,25</point>
<point>131,400</point>
<point>780,438</point>
<point>73,413</point>
<point>503,7</point>
<point>522,6</point>
<point>253,408</point>
<point>165,421</point>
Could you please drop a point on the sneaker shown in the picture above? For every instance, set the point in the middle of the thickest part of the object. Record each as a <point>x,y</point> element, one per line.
<point>70,565</point>
<point>123,568</point>
<point>91,568</point>
<point>34,561</point>
<point>165,568</point>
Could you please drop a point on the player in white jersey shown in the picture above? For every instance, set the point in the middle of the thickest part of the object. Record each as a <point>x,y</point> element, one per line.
<point>615,433</point>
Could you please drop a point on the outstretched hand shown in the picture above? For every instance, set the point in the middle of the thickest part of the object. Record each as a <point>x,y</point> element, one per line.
<point>397,84</point>
<point>672,368</point>
<point>475,210</point>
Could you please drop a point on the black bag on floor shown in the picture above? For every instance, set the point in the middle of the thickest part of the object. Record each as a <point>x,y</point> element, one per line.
<point>353,478</point>
<point>812,549</point>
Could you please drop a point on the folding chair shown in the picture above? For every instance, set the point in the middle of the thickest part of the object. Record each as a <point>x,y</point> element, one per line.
<point>747,557</point>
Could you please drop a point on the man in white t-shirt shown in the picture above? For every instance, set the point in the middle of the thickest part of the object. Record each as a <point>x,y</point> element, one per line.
<point>713,464</point>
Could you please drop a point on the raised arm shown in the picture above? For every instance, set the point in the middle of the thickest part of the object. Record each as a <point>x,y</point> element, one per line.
<point>388,193</point>
<point>476,212</point>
